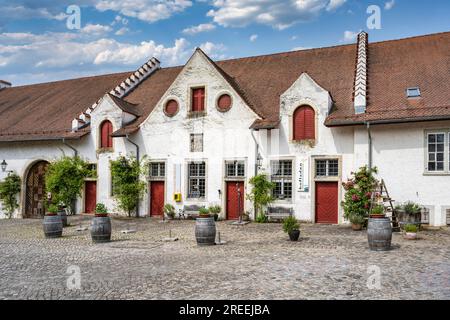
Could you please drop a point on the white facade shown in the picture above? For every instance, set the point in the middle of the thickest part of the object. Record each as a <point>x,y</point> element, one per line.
<point>399,151</point>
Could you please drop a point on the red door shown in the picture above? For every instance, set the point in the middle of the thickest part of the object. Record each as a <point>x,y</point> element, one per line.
<point>90,196</point>
<point>327,202</point>
<point>156,198</point>
<point>235,198</point>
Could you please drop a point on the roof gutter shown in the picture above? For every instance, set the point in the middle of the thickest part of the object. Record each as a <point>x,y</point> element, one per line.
<point>75,151</point>
<point>349,123</point>
<point>369,135</point>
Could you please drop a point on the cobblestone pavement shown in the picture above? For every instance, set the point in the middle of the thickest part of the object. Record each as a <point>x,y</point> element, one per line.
<point>257,262</point>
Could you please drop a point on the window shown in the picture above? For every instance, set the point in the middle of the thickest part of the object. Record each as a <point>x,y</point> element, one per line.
<point>106,129</point>
<point>281,175</point>
<point>224,102</point>
<point>234,169</point>
<point>413,92</point>
<point>92,170</point>
<point>157,170</point>
<point>171,108</point>
<point>196,142</point>
<point>304,124</point>
<point>327,168</point>
<point>436,147</point>
<point>198,100</point>
<point>196,179</point>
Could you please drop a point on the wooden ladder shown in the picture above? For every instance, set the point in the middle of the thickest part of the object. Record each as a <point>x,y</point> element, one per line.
<point>388,203</point>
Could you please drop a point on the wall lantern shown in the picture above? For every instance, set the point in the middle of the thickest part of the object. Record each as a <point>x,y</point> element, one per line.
<point>3,165</point>
<point>259,160</point>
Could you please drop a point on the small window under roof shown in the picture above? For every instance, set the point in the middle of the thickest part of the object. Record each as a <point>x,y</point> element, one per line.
<point>413,92</point>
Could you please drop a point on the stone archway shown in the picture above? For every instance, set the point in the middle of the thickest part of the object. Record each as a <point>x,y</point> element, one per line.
<point>35,195</point>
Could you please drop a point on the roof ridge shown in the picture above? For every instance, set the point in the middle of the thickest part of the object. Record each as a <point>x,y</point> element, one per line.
<point>428,35</point>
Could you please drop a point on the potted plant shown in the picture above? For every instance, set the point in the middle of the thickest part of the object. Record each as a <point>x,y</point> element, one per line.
<point>411,231</point>
<point>205,228</point>
<point>53,226</point>
<point>377,212</point>
<point>291,227</point>
<point>357,222</point>
<point>409,212</point>
<point>215,210</point>
<point>169,211</point>
<point>101,225</point>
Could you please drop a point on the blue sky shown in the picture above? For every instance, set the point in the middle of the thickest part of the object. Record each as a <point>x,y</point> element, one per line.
<point>119,35</point>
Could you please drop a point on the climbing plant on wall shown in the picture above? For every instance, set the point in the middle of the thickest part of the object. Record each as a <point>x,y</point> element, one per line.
<point>261,195</point>
<point>9,189</point>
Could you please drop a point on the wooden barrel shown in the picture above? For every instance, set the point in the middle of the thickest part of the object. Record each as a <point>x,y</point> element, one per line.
<point>53,226</point>
<point>205,231</point>
<point>101,229</point>
<point>62,213</point>
<point>379,234</point>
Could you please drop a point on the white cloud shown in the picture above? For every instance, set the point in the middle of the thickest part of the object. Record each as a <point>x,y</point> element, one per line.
<point>120,19</point>
<point>300,48</point>
<point>213,50</point>
<point>389,5</point>
<point>20,12</point>
<point>95,29</point>
<point>350,36</point>
<point>122,31</point>
<point>279,14</point>
<point>146,10</point>
<point>253,37</point>
<point>198,29</point>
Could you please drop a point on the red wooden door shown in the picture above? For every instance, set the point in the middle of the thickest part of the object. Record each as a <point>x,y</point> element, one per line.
<point>90,196</point>
<point>327,202</point>
<point>156,198</point>
<point>234,189</point>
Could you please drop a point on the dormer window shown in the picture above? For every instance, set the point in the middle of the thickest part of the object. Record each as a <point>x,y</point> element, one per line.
<point>198,100</point>
<point>413,92</point>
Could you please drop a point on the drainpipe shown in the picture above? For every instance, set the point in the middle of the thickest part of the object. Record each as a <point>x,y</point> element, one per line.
<point>75,151</point>
<point>138,163</point>
<point>370,145</point>
<point>256,163</point>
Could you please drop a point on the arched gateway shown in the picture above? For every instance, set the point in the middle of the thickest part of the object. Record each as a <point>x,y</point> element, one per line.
<point>35,196</point>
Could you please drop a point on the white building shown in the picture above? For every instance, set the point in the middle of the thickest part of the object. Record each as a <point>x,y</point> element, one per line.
<point>307,118</point>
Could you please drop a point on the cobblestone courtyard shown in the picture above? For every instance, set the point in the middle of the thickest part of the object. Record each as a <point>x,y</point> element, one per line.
<point>257,262</point>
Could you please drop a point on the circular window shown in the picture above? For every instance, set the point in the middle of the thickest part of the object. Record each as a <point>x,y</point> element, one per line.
<point>224,102</point>
<point>171,108</point>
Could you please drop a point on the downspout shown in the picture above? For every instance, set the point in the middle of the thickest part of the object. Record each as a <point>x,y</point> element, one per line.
<point>138,163</point>
<point>369,145</point>
<point>256,162</point>
<point>75,151</point>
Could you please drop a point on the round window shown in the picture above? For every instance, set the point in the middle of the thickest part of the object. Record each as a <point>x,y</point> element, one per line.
<point>171,108</point>
<point>224,102</point>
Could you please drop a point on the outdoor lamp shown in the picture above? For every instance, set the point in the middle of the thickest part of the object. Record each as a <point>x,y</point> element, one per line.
<point>3,165</point>
<point>259,161</point>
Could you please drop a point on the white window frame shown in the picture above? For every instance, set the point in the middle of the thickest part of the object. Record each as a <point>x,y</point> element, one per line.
<point>189,177</point>
<point>327,168</point>
<point>446,133</point>
<point>236,175</point>
<point>159,176</point>
<point>283,179</point>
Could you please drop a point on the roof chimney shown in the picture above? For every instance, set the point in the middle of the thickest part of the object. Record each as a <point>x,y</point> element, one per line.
<point>360,89</point>
<point>4,84</point>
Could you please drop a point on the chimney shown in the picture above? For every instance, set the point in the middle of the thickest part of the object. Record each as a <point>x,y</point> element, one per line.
<point>4,84</point>
<point>360,89</point>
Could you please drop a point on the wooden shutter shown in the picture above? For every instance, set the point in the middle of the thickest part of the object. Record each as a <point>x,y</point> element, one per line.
<point>198,99</point>
<point>105,135</point>
<point>304,123</point>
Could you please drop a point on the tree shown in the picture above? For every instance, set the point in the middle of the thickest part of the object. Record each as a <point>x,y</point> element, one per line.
<point>128,189</point>
<point>9,188</point>
<point>261,194</point>
<point>64,179</point>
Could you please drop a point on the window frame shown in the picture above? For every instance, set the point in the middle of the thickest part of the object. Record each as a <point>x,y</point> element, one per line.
<point>314,123</point>
<point>236,175</point>
<point>446,152</point>
<point>192,142</point>
<point>189,195</point>
<point>100,136</point>
<point>283,179</point>
<point>158,177</point>
<point>191,103</point>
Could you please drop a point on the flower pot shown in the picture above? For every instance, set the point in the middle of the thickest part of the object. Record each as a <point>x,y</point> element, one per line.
<point>53,226</point>
<point>294,235</point>
<point>377,216</point>
<point>62,213</point>
<point>205,231</point>
<point>101,228</point>
<point>357,227</point>
<point>411,235</point>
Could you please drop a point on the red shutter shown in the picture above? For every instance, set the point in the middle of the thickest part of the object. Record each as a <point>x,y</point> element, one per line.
<point>105,135</point>
<point>304,123</point>
<point>198,99</point>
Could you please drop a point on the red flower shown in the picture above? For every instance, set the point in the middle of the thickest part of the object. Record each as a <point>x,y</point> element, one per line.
<point>355,197</point>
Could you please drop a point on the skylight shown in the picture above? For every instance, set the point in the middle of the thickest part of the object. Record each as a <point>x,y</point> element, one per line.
<point>413,92</point>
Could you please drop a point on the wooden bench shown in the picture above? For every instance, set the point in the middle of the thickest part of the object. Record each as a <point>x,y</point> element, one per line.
<point>279,213</point>
<point>191,212</point>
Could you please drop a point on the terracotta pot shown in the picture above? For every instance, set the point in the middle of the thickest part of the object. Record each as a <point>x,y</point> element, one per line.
<point>377,216</point>
<point>357,227</point>
<point>411,235</point>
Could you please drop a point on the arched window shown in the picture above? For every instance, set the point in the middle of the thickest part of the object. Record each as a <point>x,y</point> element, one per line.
<point>304,123</point>
<point>106,129</point>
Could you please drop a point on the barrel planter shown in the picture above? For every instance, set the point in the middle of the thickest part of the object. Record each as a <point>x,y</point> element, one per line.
<point>205,231</point>
<point>101,229</point>
<point>379,234</point>
<point>62,213</point>
<point>53,226</point>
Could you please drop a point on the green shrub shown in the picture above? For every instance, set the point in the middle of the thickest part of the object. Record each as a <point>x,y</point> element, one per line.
<point>290,224</point>
<point>203,211</point>
<point>169,210</point>
<point>215,209</point>
<point>411,208</point>
<point>411,228</point>
<point>261,193</point>
<point>52,209</point>
<point>378,210</point>
<point>100,208</point>
<point>357,219</point>
<point>261,218</point>
<point>9,189</point>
